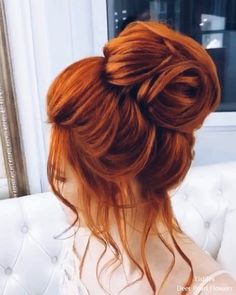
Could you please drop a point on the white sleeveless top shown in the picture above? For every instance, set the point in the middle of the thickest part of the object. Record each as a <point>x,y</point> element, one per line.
<point>70,284</point>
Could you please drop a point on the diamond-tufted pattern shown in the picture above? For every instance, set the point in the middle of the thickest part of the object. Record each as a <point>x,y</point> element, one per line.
<point>205,206</point>
<point>29,253</point>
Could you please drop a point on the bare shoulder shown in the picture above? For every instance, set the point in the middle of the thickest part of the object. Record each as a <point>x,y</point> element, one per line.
<point>203,265</point>
<point>202,261</point>
<point>223,284</point>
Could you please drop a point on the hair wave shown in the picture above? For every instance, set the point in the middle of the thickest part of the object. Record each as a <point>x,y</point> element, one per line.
<point>131,114</point>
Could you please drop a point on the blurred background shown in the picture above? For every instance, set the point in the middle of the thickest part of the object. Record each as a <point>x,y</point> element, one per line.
<point>40,38</point>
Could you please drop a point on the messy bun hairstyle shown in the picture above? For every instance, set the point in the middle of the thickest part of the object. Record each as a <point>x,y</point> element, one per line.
<point>131,114</point>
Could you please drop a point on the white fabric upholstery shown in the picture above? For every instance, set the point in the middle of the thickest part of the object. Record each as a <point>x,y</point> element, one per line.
<point>29,254</point>
<point>205,206</point>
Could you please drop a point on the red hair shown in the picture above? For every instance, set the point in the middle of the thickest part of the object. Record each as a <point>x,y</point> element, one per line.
<point>131,114</point>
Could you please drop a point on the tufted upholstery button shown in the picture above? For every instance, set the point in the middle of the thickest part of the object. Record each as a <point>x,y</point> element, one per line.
<point>54,259</point>
<point>8,271</point>
<point>207,224</point>
<point>25,229</point>
<point>185,197</point>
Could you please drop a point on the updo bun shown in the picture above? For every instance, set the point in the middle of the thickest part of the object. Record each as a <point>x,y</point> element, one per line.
<point>129,116</point>
<point>167,73</point>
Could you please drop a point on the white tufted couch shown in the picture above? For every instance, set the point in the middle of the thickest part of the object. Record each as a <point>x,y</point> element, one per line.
<point>205,205</point>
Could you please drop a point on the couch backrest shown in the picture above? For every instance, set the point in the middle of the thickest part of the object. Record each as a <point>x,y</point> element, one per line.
<point>205,207</point>
<point>29,253</point>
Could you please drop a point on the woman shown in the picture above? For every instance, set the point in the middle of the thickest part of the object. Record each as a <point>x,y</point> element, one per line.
<point>122,138</point>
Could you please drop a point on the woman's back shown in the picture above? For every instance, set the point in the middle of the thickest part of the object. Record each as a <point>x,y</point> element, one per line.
<point>206,270</point>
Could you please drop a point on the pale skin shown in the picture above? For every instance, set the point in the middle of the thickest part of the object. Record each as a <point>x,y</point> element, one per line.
<point>158,257</point>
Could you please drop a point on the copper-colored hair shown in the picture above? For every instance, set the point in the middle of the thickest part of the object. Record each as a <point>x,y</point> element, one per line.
<point>131,114</point>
